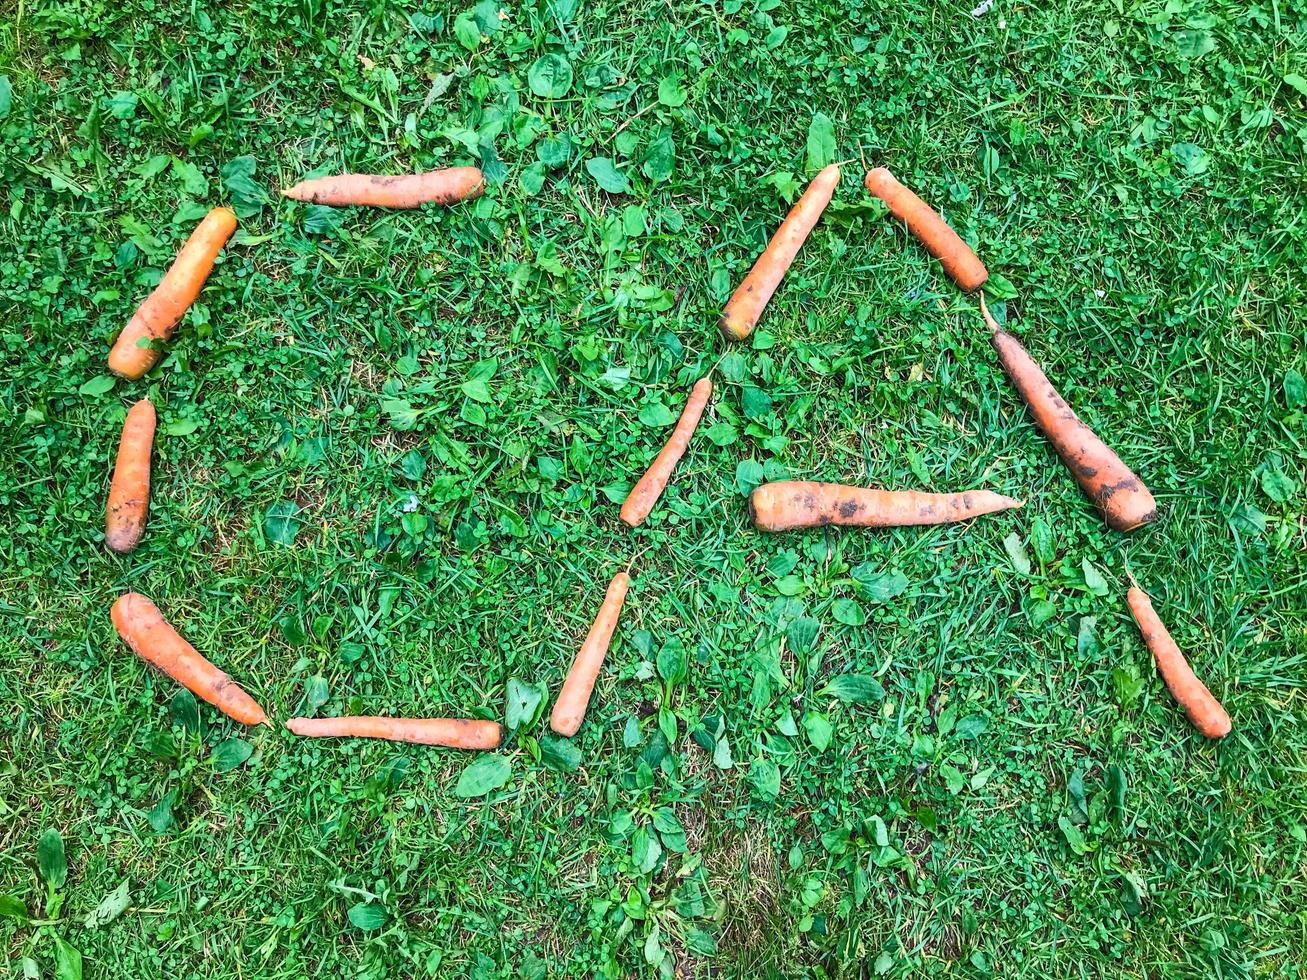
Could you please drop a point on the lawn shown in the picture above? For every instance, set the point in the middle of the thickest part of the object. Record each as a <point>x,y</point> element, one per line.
<point>393,445</point>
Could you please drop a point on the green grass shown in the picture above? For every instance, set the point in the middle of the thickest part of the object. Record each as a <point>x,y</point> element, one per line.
<point>1024,800</point>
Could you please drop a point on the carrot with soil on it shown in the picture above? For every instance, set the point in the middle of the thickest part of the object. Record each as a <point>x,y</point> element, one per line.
<point>640,501</point>
<point>129,492</point>
<point>151,638</point>
<point>569,711</point>
<point>792,504</point>
<point>745,306</point>
<point>957,258</point>
<point>454,733</point>
<point>163,309</point>
<point>447,186</point>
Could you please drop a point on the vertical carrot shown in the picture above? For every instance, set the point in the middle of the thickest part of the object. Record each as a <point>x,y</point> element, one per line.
<point>570,709</point>
<point>957,258</point>
<point>643,496</point>
<point>129,493</point>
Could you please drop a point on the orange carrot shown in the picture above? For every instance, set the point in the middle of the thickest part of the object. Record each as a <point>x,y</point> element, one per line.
<point>745,306</point>
<point>1203,710</point>
<point>163,309</point>
<point>958,260</point>
<point>456,733</point>
<point>405,191</point>
<point>792,504</point>
<point>640,501</point>
<point>569,711</point>
<point>1125,502</point>
<point>129,493</point>
<point>144,629</point>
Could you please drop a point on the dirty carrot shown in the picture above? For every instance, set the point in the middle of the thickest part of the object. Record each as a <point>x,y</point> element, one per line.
<point>791,504</point>
<point>405,191</point>
<point>1125,502</point>
<point>129,493</point>
<point>640,501</point>
<point>144,629</point>
<point>569,711</point>
<point>1203,710</point>
<point>957,258</point>
<point>745,306</point>
<point>163,309</point>
<point>455,733</point>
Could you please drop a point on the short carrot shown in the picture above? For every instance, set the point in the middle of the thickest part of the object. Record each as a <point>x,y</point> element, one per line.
<point>1203,710</point>
<point>163,309</point>
<point>455,733</point>
<point>569,711</point>
<point>957,258</point>
<point>745,306</point>
<point>129,492</point>
<point>640,501</point>
<point>151,638</point>
<point>447,186</point>
<point>792,504</point>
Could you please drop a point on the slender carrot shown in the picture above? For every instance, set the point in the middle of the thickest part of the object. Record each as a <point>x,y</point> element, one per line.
<point>791,504</point>
<point>163,309</point>
<point>405,191</point>
<point>957,258</point>
<point>151,638</point>
<point>1203,710</point>
<point>129,493</point>
<point>569,711</point>
<point>456,733</point>
<point>745,306</point>
<point>640,501</point>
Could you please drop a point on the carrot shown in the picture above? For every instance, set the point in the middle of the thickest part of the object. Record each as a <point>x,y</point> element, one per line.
<point>1125,502</point>
<point>1203,710</point>
<point>163,309</point>
<point>941,241</point>
<point>569,711</point>
<point>640,501</point>
<point>456,733</point>
<point>405,191</point>
<point>129,493</point>
<point>792,504</point>
<point>144,629</point>
<point>745,306</point>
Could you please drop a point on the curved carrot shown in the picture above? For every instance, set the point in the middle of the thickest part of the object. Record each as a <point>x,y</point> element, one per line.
<point>456,733</point>
<point>1203,710</point>
<point>447,186</point>
<point>129,493</point>
<point>144,629</point>
<point>569,711</point>
<point>791,504</point>
<point>640,501</point>
<point>745,306</point>
<point>957,258</point>
<point>1125,502</point>
<point>163,309</point>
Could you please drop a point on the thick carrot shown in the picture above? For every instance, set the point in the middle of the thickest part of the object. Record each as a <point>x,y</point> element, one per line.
<point>640,501</point>
<point>163,309</point>
<point>745,306</point>
<point>405,191</point>
<point>792,504</point>
<point>456,733</point>
<point>129,493</point>
<point>958,260</point>
<point>569,711</point>
<point>144,629</point>
<point>1125,502</point>
<point>1203,710</point>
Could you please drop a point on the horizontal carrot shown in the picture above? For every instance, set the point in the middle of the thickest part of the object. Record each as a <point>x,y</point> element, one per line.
<point>1203,710</point>
<point>163,309</point>
<point>405,191</point>
<point>569,711</point>
<point>957,258</point>
<point>129,492</point>
<point>745,306</point>
<point>151,638</point>
<point>792,504</point>
<point>640,501</point>
<point>1125,502</point>
<point>455,733</point>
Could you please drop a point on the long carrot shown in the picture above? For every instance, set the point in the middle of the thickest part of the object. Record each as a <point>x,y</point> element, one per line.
<point>456,733</point>
<point>163,309</point>
<point>151,638</point>
<point>640,501</point>
<point>958,260</point>
<point>745,306</point>
<point>129,493</point>
<point>1203,710</point>
<point>405,191</point>
<point>1125,502</point>
<point>569,711</point>
<point>791,504</point>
